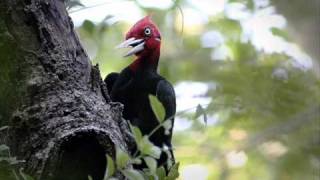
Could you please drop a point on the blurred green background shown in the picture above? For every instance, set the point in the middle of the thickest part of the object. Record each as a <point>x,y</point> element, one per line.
<point>246,75</point>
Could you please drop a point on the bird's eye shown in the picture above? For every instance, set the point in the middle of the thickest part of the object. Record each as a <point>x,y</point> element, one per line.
<point>147,31</point>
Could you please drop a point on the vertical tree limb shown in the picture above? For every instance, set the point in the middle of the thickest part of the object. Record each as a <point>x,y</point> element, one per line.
<point>60,115</point>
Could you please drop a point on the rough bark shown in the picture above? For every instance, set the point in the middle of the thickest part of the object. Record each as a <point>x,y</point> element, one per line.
<point>60,116</point>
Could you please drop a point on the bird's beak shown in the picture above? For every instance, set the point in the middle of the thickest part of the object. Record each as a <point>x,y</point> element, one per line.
<point>136,44</point>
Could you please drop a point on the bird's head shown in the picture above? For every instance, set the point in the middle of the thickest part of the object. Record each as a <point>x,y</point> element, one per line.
<point>144,38</point>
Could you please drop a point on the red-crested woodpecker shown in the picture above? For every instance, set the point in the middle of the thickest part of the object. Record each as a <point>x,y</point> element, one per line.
<point>133,85</point>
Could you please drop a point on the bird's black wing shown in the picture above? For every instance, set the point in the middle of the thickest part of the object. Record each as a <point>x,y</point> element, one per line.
<point>120,83</point>
<point>164,91</point>
<point>110,80</point>
<point>166,95</point>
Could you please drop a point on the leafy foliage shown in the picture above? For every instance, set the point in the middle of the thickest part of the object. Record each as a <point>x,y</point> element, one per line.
<point>148,154</point>
<point>157,108</point>
<point>110,168</point>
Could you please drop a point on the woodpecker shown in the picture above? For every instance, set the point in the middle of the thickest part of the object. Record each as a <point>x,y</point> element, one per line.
<point>133,85</point>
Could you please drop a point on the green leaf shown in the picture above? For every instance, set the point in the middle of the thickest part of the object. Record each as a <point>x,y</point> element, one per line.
<point>90,178</point>
<point>161,173</point>
<point>151,163</point>
<point>132,174</point>
<point>201,112</point>
<point>153,177</point>
<point>110,168</point>
<point>136,133</point>
<point>148,148</point>
<point>174,172</point>
<point>155,152</point>
<point>145,145</point>
<point>157,108</point>
<point>136,161</point>
<point>122,158</point>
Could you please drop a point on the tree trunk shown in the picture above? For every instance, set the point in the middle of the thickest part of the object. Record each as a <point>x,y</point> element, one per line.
<point>61,120</point>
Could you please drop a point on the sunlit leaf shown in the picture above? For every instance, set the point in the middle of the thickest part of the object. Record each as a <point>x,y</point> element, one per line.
<point>151,163</point>
<point>161,173</point>
<point>136,161</point>
<point>136,133</point>
<point>148,148</point>
<point>155,152</point>
<point>110,168</point>
<point>174,172</point>
<point>122,158</point>
<point>132,174</point>
<point>157,108</point>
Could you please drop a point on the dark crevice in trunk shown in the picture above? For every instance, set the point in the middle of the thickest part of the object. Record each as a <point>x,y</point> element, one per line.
<point>81,155</point>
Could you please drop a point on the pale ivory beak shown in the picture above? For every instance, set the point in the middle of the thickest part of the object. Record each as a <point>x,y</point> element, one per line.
<point>136,44</point>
